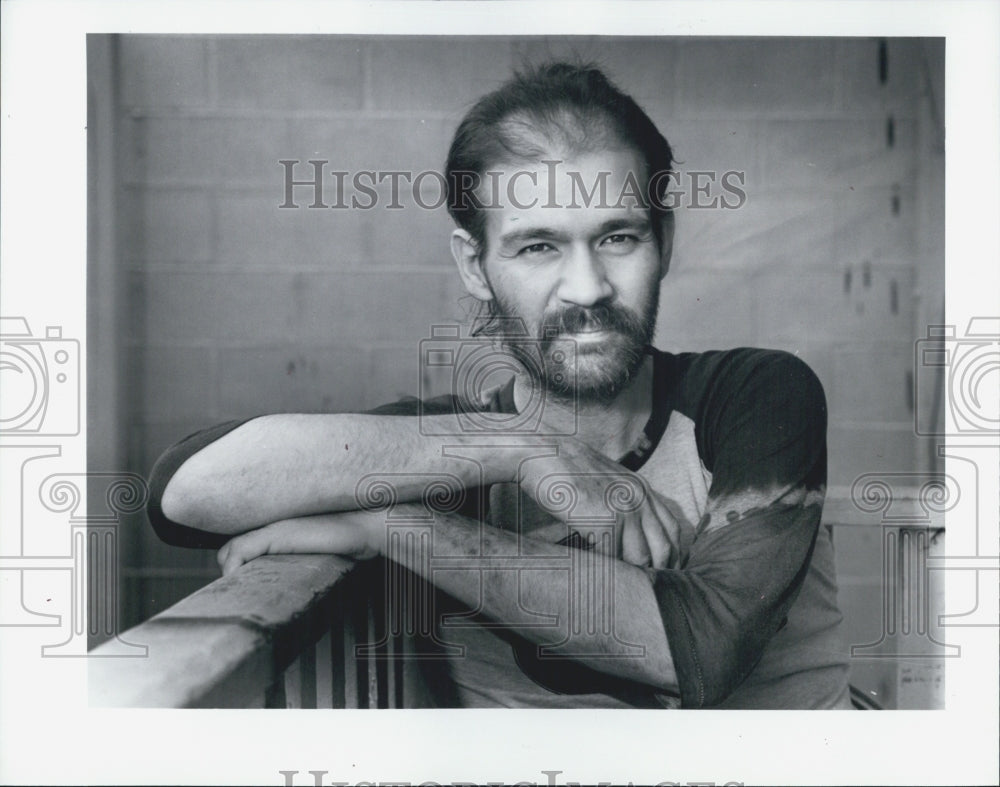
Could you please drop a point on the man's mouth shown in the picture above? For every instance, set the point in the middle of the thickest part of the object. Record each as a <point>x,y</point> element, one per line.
<point>589,334</point>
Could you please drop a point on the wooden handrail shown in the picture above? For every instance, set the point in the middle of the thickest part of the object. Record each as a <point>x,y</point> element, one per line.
<point>229,642</point>
<point>282,631</point>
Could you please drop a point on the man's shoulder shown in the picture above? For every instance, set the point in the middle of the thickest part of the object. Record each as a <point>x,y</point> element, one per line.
<point>445,404</point>
<point>411,405</point>
<point>755,372</point>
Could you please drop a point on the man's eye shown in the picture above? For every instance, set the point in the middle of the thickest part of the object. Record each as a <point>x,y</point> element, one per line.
<point>619,240</point>
<point>536,248</point>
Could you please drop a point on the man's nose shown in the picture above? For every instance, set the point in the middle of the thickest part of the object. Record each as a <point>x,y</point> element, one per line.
<point>583,279</point>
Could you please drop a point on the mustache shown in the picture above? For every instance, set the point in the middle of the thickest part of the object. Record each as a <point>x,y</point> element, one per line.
<point>603,317</point>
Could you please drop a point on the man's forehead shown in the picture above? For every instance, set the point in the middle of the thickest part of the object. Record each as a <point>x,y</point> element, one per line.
<point>595,188</point>
<point>619,163</point>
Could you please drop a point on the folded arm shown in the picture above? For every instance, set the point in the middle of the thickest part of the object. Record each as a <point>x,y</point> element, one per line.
<point>505,576</point>
<point>239,477</point>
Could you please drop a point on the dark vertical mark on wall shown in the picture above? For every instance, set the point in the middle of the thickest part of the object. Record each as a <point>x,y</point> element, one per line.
<point>883,61</point>
<point>890,131</point>
<point>866,274</point>
<point>847,280</point>
<point>895,199</point>
<point>893,297</point>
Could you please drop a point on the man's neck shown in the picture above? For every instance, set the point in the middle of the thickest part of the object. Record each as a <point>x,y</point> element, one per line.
<point>612,428</point>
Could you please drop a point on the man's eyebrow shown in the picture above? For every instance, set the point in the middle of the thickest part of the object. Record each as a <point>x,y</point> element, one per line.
<point>530,233</point>
<point>639,223</point>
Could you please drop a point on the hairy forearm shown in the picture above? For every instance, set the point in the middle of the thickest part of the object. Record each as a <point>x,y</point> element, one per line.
<point>282,466</point>
<point>605,609</point>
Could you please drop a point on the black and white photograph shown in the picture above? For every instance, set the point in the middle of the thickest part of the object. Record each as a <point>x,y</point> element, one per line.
<point>528,381</point>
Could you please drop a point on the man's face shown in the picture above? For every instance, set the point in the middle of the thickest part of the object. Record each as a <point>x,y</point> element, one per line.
<point>584,279</point>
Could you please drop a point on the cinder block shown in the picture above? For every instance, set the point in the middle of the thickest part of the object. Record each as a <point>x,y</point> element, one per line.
<point>729,145</point>
<point>248,151</point>
<point>860,90</point>
<point>769,231</point>
<point>166,226</point>
<point>232,307</point>
<point>155,436</point>
<point>170,150</point>
<point>838,154</point>
<point>296,379</point>
<point>393,373</point>
<point>254,230</point>
<point>167,560</point>
<point>405,143</point>
<point>642,67</point>
<point>206,151</point>
<point>307,73</point>
<point>873,383</point>
<point>859,553</point>
<point>860,87</point>
<point>702,311</point>
<point>446,74</point>
<point>855,450</point>
<point>414,235</point>
<point>177,382</point>
<point>789,305</point>
<point>164,71</point>
<point>363,307</point>
<point>874,222</point>
<point>758,76</point>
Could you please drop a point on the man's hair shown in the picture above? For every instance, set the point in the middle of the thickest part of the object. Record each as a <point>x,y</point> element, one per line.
<point>574,107</point>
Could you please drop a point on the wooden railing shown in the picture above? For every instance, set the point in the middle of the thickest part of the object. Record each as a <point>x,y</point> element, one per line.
<point>313,631</point>
<point>283,631</point>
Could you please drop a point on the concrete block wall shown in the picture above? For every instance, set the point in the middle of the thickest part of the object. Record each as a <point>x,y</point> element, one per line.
<point>239,307</point>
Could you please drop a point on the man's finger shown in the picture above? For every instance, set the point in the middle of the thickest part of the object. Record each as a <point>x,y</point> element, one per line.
<point>635,548</point>
<point>656,539</point>
<point>245,548</point>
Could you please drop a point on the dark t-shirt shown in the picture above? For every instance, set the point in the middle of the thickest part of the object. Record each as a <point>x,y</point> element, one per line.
<point>736,447</point>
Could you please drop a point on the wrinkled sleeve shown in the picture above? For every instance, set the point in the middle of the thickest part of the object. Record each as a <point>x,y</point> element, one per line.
<point>761,432</point>
<point>174,533</point>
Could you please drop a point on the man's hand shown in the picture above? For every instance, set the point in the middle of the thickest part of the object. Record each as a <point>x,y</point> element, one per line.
<point>354,534</point>
<point>585,490</point>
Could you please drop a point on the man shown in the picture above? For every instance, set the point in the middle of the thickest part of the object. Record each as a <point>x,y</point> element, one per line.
<point>654,539</point>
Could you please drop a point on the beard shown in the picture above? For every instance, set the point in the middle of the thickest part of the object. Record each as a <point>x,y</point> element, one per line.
<point>588,370</point>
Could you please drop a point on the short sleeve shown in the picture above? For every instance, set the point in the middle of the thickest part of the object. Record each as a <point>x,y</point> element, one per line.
<point>761,433</point>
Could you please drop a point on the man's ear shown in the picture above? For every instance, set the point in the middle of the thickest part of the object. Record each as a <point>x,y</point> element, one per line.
<point>466,252</point>
<point>666,242</point>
